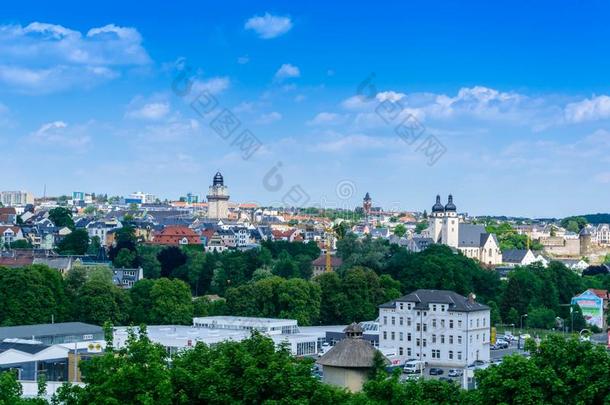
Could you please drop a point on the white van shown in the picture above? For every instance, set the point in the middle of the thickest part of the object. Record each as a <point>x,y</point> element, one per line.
<point>414,367</point>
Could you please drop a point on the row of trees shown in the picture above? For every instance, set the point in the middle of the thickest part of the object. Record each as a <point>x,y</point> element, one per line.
<point>254,371</point>
<point>38,294</point>
<point>329,299</point>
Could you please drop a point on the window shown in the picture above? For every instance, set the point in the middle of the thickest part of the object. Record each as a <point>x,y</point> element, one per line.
<point>425,314</point>
<point>408,321</point>
<point>442,323</point>
<point>409,351</point>
<point>434,323</point>
<point>408,337</point>
<point>436,354</point>
<point>385,320</point>
<point>459,355</point>
<point>424,342</point>
<point>477,337</point>
<point>400,336</point>
<point>459,323</point>
<point>470,338</point>
<point>393,335</point>
<point>442,308</point>
<point>417,313</point>
<point>484,321</point>
<point>471,323</point>
<point>417,342</point>
<point>459,340</point>
<point>450,354</point>
<point>483,337</point>
<point>402,305</point>
<point>385,335</point>
<point>451,324</point>
<point>400,321</point>
<point>477,322</point>
<point>434,307</point>
<point>425,327</point>
<point>433,338</point>
<point>393,321</point>
<point>450,339</point>
<point>442,339</point>
<point>418,328</point>
<point>400,351</point>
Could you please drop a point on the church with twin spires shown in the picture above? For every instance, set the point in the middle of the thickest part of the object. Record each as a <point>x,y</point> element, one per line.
<point>470,239</point>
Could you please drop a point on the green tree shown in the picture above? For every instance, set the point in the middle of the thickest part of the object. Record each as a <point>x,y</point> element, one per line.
<point>61,217</point>
<point>125,259</point>
<point>542,318</point>
<point>32,295</point>
<point>101,301</point>
<point>136,374</point>
<point>170,259</point>
<point>95,245</point>
<point>171,302</point>
<point>20,244</point>
<point>75,243</point>
<point>141,302</point>
<point>400,230</point>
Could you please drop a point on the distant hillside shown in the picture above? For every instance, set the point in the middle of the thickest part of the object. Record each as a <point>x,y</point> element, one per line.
<point>597,218</point>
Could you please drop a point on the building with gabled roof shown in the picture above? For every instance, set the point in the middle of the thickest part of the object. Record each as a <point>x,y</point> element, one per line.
<point>439,327</point>
<point>176,235</point>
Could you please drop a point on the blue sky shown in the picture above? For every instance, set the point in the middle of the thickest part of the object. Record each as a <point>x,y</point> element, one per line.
<point>516,94</point>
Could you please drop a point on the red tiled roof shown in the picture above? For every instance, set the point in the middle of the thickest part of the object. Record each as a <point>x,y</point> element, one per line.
<point>600,293</point>
<point>19,261</point>
<point>8,211</point>
<point>173,235</point>
<point>15,229</point>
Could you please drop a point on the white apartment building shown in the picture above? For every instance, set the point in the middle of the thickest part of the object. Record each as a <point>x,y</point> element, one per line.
<point>14,198</point>
<point>439,327</point>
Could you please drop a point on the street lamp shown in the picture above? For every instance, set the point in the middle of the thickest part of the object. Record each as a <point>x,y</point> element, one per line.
<point>523,316</point>
<point>521,331</point>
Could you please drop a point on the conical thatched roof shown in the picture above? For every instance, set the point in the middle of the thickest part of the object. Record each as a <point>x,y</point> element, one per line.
<point>350,353</point>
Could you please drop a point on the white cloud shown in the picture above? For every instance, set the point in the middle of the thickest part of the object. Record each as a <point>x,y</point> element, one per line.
<point>390,96</point>
<point>42,58</point>
<point>150,111</point>
<point>355,142</point>
<point>603,177</point>
<point>58,133</point>
<point>269,26</point>
<point>269,118</point>
<point>287,71</point>
<point>326,118</point>
<point>215,85</point>
<point>589,109</point>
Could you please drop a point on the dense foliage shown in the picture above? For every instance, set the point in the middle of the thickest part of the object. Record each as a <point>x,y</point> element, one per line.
<point>255,371</point>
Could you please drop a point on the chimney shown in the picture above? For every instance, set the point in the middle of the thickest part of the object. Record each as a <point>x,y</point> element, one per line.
<point>471,298</point>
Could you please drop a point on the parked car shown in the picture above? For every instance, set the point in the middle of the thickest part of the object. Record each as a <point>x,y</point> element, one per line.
<point>494,347</point>
<point>509,337</point>
<point>525,336</point>
<point>436,371</point>
<point>454,372</point>
<point>447,379</point>
<point>476,363</point>
<point>413,367</point>
<point>502,344</point>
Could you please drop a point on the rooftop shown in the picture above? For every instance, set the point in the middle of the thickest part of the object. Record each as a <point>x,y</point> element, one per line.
<point>48,329</point>
<point>423,298</point>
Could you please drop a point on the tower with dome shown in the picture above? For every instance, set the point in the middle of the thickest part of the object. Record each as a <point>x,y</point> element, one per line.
<point>218,199</point>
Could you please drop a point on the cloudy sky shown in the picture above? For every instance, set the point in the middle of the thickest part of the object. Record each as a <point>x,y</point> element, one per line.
<point>505,106</point>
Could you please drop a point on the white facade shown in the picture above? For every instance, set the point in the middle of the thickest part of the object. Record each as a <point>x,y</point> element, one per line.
<point>13,198</point>
<point>438,335</point>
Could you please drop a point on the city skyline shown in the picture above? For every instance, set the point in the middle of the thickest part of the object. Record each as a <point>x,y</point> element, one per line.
<point>87,102</point>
